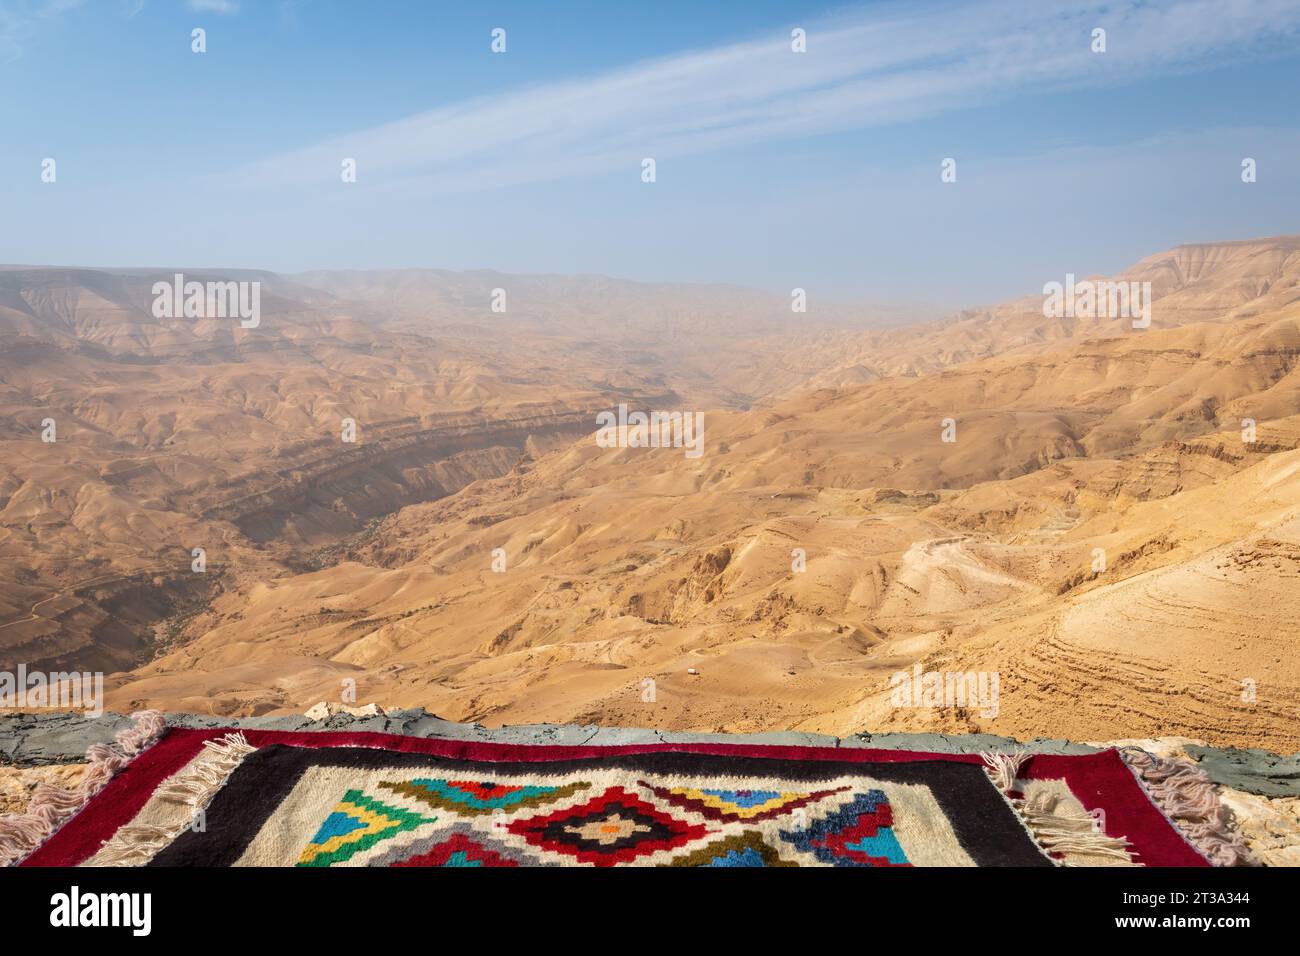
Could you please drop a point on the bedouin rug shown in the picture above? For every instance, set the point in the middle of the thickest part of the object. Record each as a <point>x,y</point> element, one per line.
<point>264,798</point>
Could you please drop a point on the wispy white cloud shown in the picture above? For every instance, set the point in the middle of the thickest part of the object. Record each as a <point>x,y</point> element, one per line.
<point>19,20</point>
<point>214,6</point>
<point>881,65</point>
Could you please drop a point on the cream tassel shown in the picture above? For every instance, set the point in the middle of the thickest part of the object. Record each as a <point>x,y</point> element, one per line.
<point>137,844</point>
<point>1053,829</point>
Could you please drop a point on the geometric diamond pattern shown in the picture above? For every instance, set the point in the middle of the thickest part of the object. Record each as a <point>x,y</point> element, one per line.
<point>614,827</point>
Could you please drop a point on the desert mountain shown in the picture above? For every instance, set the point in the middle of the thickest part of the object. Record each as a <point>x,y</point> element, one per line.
<point>1106,517</point>
<point>176,433</point>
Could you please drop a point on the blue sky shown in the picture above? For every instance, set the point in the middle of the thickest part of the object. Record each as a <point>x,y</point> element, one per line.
<point>774,169</point>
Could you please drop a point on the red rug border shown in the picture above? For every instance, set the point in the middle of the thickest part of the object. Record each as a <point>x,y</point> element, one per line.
<point>1099,780</point>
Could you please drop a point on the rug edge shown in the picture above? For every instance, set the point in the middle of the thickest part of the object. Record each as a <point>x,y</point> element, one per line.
<point>182,744</point>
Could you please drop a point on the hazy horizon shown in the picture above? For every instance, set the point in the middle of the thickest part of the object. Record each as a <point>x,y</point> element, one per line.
<point>919,304</point>
<point>774,168</point>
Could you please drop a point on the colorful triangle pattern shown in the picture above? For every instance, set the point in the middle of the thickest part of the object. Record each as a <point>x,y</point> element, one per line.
<point>357,823</point>
<point>858,833</point>
<point>472,797</point>
<point>743,805</point>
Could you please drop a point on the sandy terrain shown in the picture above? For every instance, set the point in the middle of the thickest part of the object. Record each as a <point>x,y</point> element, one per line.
<point>644,587</point>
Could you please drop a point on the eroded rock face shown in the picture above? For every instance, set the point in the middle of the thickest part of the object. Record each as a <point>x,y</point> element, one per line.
<point>1270,825</point>
<point>171,434</point>
<point>18,783</point>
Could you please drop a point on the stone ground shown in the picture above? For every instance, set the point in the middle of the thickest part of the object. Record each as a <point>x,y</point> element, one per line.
<point>1262,788</point>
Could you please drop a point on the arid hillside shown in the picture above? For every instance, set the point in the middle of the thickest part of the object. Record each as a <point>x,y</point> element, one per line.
<point>130,440</point>
<point>1106,517</point>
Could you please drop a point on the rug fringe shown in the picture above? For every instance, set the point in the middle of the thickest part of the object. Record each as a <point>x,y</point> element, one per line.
<point>1004,768</point>
<point>50,807</point>
<point>1188,797</point>
<point>1055,831</point>
<point>137,844</point>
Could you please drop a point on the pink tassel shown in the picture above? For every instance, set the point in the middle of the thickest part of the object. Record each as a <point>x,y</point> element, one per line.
<point>51,807</point>
<point>1187,795</point>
